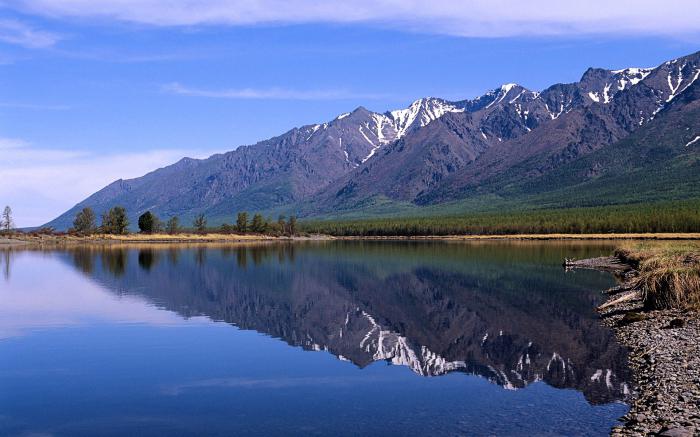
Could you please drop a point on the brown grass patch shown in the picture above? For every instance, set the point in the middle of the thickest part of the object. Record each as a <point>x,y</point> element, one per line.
<point>669,273</point>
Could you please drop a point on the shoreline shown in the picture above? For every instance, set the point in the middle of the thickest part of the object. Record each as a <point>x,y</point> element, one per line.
<point>544,237</point>
<point>25,239</point>
<point>664,357</point>
<point>31,240</point>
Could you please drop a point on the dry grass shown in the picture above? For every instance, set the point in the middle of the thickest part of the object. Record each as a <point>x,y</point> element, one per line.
<point>180,237</point>
<point>669,272</point>
<point>636,236</point>
<point>144,238</point>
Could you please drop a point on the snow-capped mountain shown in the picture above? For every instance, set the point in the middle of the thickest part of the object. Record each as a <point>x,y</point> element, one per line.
<point>430,152</point>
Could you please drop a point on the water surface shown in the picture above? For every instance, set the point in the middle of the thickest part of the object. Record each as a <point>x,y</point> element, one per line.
<point>330,338</point>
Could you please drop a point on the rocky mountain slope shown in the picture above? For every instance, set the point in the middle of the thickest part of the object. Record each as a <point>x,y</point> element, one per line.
<point>513,144</point>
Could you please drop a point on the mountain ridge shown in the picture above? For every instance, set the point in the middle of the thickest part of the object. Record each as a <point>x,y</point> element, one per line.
<point>432,152</point>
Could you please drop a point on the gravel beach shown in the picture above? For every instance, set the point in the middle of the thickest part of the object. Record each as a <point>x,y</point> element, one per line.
<point>664,356</point>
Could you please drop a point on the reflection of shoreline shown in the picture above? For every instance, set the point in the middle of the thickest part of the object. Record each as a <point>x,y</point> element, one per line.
<point>185,240</point>
<point>36,302</point>
<point>503,311</point>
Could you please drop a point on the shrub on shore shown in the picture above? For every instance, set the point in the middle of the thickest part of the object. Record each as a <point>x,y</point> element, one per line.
<point>669,273</point>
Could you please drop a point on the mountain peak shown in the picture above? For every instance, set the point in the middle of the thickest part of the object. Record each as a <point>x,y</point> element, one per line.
<point>420,113</point>
<point>506,87</point>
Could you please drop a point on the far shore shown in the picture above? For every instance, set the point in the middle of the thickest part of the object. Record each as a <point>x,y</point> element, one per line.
<point>25,239</point>
<point>47,239</point>
<point>613,236</point>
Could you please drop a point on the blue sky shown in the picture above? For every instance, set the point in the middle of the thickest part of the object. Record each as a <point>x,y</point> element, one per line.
<point>93,91</point>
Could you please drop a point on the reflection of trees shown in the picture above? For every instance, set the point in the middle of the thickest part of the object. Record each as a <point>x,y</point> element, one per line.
<point>114,260</point>
<point>83,260</point>
<point>242,257</point>
<point>257,254</point>
<point>147,257</point>
<point>6,264</point>
<point>200,255</point>
<point>173,255</point>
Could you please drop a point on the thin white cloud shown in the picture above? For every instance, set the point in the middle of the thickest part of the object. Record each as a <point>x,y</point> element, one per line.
<point>18,33</point>
<point>41,183</point>
<point>12,143</point>
<point>478,18</point>
<point>266,93</point>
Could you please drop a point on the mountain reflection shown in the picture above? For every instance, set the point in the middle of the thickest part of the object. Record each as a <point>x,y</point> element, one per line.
<point>506,312</point>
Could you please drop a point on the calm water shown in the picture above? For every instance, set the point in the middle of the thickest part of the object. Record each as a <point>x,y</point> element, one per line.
<point>306,339</point>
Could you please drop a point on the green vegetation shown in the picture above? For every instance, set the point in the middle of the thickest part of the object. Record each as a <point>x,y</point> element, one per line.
<point>242,222</point>
<point>115,221</point>
<point>149,223</point>
<point>200,223</point>
<point>292,225</point>
<point>654,218</point>
<point>173,225</point>
<point>669,273</point>
<point>261,225</point>
<point>85,222</point>
<point>258,225</point>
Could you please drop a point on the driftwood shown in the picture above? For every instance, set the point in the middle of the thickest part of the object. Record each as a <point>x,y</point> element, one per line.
<point>609,263</point>
<point>625,298</point>
<point>628,286</point>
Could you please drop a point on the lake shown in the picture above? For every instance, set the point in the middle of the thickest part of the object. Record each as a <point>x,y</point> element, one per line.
<point>317,338</point>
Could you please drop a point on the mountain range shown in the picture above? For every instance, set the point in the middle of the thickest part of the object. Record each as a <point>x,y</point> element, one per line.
<point>614,137</point>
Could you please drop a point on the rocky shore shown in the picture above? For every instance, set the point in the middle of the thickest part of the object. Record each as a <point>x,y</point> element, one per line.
<point>664,356</point>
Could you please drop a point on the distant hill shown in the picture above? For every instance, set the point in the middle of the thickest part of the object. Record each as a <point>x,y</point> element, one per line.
<point>614,137</point>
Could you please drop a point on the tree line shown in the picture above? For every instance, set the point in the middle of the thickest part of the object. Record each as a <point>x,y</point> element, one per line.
<point>646,218</point>
<point>116,221</point>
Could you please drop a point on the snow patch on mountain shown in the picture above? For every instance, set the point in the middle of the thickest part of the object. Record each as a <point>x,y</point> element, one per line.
<point>387,345</point>
<point>393,125</point>
<point>420,113</point>
<point>693,141</point>
<point>632,76</point>
<point>502,93</point>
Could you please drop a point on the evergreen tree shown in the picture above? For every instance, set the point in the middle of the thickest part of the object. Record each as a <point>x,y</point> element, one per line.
<point>84,222</point>
<point>282,224</point>
<point>7,223</point>
<point>292,225</point>
<point>242,222</point>
<point>258,224</point>
<point>148,222</point>
<point>115,221</point>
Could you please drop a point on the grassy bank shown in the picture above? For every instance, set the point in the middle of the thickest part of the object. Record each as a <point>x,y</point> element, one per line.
<point>140,238</point>
<point>669,272</point>
<point>677,217</point>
